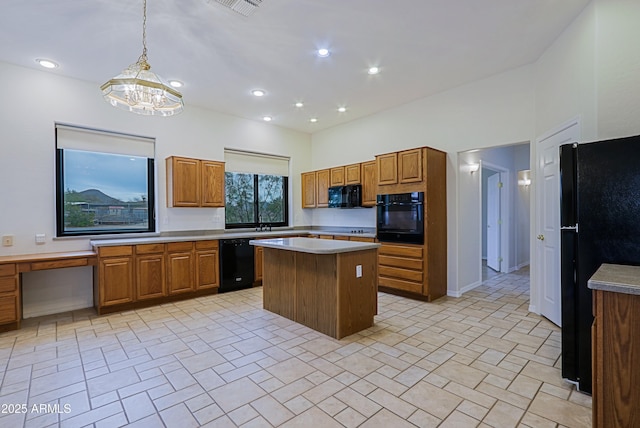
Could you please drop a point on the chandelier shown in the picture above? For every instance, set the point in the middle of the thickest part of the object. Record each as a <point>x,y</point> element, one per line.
<point>139,90</point>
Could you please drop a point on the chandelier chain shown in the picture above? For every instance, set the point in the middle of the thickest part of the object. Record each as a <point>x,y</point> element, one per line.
<point>142,61</point>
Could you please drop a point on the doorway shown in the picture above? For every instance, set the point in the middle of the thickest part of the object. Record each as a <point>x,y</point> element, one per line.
<point>491,221</point>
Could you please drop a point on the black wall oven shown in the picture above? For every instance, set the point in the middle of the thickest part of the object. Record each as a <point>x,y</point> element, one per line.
<point>400,218</point>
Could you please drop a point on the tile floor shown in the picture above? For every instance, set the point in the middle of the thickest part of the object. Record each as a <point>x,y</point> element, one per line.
<point>478,361</point>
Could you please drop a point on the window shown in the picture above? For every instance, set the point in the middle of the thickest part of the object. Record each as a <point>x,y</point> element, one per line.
<point>256,190</point>
<point>104,183</point>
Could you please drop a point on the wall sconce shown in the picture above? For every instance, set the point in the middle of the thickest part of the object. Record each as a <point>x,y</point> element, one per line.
<point>524,178</point>
<point>473,167</point>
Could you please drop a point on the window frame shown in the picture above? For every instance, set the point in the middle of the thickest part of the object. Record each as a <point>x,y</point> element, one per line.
<point>256,205</point>
<point>60,208</point>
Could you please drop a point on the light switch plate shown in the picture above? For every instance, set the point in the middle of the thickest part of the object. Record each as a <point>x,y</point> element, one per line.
<point>7,240</point>
<point>358,271</point>
<point>41,238</point>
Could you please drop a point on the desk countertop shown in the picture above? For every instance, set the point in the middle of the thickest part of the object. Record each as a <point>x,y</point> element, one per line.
<point>314,246</point>
<point>616,278</point>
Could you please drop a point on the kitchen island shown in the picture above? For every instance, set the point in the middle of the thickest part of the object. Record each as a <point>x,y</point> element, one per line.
<point>329,286</point>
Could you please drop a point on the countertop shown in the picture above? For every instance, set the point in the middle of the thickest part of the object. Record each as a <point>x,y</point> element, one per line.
<point>176,237</point>
<point>314,246</point>
<point>616,278</point>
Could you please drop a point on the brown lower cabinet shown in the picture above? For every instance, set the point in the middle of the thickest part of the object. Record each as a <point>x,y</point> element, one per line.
<point>9,299</point>
<point>129,276</point>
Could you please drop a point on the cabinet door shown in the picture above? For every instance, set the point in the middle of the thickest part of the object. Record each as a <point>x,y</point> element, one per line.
<point>308,180</point>
<point>352,174</point>
<point>337,176</point>
<point>212,184</point>
<point>257,265</point>
<point>150,276</point>
<point>183,182</point>
<point>387,168</point>
<point>116,280</point>
<point>369,184</point>
<point>207,269</point>
<point>322,186</point>
<point>180,272</point>
<point>410,166</point>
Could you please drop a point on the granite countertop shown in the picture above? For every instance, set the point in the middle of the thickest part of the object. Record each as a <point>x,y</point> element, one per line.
<point>616,278</point>
<point>314,246</point>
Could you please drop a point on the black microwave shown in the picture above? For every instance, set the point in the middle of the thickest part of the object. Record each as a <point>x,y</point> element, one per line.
<point>345,196</point>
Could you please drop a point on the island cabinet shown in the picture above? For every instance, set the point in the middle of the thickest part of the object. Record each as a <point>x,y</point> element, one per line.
<point>616,346</point>
<point>10,313</point>
<point>194,182</point>
<point>180,267</point>
<point>115,277</point>
<point>329,286</point>
<point>132,276</point>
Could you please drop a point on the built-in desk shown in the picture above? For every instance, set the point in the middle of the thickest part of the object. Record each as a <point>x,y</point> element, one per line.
<point>10,279</point>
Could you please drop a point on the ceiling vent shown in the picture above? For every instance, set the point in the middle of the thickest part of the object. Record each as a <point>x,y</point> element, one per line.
<point>243,7</point>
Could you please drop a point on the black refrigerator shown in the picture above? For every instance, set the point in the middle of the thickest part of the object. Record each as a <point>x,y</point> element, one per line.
<point>600,223</point>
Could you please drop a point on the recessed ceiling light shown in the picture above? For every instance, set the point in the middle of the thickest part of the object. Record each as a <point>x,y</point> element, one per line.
<point>313,120</point>
<point>323,52</point>
<point>299,104</point>
<point>267,118</point>
<point>258,92</point>
<point>373,70</point>
<point>342,109</point>
<point>46,63</point>
<point>176,83</point>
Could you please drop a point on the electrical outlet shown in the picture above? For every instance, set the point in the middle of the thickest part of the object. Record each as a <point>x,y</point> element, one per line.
<point>7,240</point>
<point>358,271</point>
<point>40,238</point>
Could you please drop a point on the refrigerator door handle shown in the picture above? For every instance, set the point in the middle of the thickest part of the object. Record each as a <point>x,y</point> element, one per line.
<point>570,228</point>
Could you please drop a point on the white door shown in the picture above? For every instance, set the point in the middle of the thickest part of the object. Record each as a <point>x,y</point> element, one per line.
<point>548,223</point>
<point>493,222</point>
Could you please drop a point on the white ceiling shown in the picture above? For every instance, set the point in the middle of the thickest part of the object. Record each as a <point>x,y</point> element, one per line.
<point>421,46</point>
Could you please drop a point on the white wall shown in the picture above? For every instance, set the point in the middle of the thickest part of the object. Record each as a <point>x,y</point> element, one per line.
<point>27,166</point>
<point>494,111</point>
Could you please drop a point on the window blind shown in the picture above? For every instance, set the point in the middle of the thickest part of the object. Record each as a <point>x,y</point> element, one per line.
<point>255,163</point>
<point>77,138</point>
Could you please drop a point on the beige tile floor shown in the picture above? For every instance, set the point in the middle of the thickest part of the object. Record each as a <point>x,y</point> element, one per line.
<point>481,360</point>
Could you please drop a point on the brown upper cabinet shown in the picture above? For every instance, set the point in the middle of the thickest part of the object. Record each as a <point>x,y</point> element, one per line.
<point>400,167</point>
<point>352,174</point>
<point>369,184</point>
<point>322,188</point>
<point>308,180</point>
<point>194,182</point>
<point>387,168</point>
<point>337,176</point>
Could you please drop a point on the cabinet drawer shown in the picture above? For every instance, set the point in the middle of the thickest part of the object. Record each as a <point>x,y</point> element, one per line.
<point>8,269</point>
<point>8,284</point>
<point>415,264</point>
<point>149,248</point>
<point>180,246</point>
<point>401,251</point>
<point>341,238</point>
<point>122,250</point>
<point>58,264</point>
<point>361,239</point>
<point>409,275</point>
<point>206,245</point>
<point>399,284</point>
<point>8,309</point>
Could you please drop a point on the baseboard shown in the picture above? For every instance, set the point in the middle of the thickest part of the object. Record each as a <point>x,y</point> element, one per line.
<point>453,293</point>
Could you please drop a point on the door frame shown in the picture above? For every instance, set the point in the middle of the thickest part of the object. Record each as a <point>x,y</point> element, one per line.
<point>505,205</point>
<point>535,294</point>
<point>494,207</point>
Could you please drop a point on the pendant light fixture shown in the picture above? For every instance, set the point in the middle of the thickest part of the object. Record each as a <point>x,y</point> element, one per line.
<point>139,90</point>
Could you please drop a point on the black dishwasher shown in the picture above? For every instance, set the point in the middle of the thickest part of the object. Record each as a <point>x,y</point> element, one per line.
<point>236,264</point>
